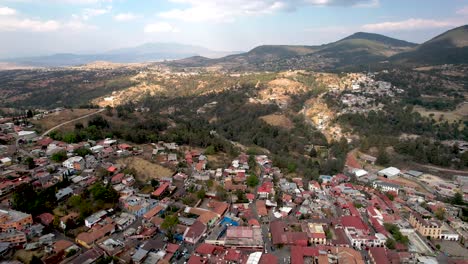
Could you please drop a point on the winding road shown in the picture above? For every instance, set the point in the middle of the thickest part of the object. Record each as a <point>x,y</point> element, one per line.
<point>71,121</point>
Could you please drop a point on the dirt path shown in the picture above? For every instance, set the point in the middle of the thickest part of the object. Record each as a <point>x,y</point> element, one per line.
<point>71,121</point>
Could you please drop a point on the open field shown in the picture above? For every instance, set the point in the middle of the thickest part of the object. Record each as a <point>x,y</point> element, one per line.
<point>146,170</point>
<point>278,120</point>
<point>461,113</point>
<point>57,118</point>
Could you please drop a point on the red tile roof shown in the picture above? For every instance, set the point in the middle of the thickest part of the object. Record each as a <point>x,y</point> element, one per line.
<point>46,218</point>
<point>379,254</point>
<point>353,221</point>
<point>161,189</point>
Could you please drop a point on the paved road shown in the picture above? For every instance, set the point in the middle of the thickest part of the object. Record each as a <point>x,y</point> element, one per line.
<point>71,121</point>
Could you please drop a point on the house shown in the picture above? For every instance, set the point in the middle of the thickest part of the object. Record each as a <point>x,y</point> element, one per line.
<point>194,232</point>
<point>77,163</point>
<point>161,189</point>
<point>87,239</point>
<point>367,158</point>
<point>386,186</point>
<point>281,235</point>
<point>64,220</point>
<point>6,161</point>
<point>265,190</point>
<point>390,172</point>
<point>62,193</point>
<point>95,218</point>
<point>46,218</point>
<point>359,173</point>
<point>315,232</point>
<point>27,135</point>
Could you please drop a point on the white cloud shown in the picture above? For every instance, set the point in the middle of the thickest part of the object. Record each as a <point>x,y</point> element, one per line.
<point>125,17</point>
<point>93,12</point>
<point>228,11</point>
<point>463,11</point>
<point>16,24</point>
<point>6,11</point>
<point>412,24</point>
<point>160,27</point>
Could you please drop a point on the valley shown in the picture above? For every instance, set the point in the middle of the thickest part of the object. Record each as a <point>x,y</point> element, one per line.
<point>322,153</point>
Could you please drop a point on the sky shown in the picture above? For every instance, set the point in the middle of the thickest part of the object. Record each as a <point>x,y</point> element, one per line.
<point>40,27</point>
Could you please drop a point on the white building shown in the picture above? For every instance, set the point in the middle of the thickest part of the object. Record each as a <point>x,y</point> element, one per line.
<point>25,135</point>
<point>76,162</point>
<point>360,172</point>
<point>386,186</point>
<point>390,172</point>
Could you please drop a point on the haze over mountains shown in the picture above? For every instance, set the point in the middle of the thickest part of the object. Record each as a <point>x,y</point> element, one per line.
<point>148,52</point>
<point>357,49</point>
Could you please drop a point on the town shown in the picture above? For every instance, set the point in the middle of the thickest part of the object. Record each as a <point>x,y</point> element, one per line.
<point>87,202</point>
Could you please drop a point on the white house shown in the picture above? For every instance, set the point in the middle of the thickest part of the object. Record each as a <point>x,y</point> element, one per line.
<point>77,163</point>
<point>27,135</point>
<point>389,172</point>
<point>360,172</point>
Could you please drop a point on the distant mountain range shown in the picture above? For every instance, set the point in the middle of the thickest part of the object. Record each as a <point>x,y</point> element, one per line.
<point>359,49</point>
<point>149,52</point>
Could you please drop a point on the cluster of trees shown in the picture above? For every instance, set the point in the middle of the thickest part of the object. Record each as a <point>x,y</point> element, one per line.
<point>97,197</point>
<point>27,199</point>
<point>98,128</point>
<point>398,237</point>
<point>398,118</point>
<point>415,84</point>
<point>428,151</point>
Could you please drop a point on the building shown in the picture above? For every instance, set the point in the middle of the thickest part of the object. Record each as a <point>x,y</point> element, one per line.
<point>386,186</point>
<point>428,228</point>
<point>65,192</point>
<point>194,232</point>
<point>14,220</point>
<point>390,172</point>
<point>15,237</point>
<point>315,232</point>
<point>26,135</point>
<point>244,237</point>
<point>76,163</point>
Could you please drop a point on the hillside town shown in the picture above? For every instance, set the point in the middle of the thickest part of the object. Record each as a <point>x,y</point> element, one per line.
<point>88,207</point>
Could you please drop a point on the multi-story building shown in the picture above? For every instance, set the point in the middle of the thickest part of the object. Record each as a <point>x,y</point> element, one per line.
<point>430,228</point>
<point>16,220</point>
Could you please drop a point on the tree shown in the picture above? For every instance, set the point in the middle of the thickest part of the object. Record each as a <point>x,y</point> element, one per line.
<point>201,194</point>
<point>30,162</point>
<point>252,181</point>
<point>210,150</point>
<point>98,122</point>
<point>59,156</point>
<point>440,213</point>
<point>170,222</point>
<point>154,183</point>
<point>457,199</point>
<point>382,157</point>
<point>83,152</point>
<point>313,153</point>
<point>390,244</point>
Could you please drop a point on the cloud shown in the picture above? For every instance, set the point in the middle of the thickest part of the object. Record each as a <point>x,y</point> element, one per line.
<point>411,24</point>
<point>93,12</point>
<point>6,11</point>
<point>125,17</point>
<point>228,11</point>
<point>16,24</point>
<point>463,11</point>
<point>160,27</point>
